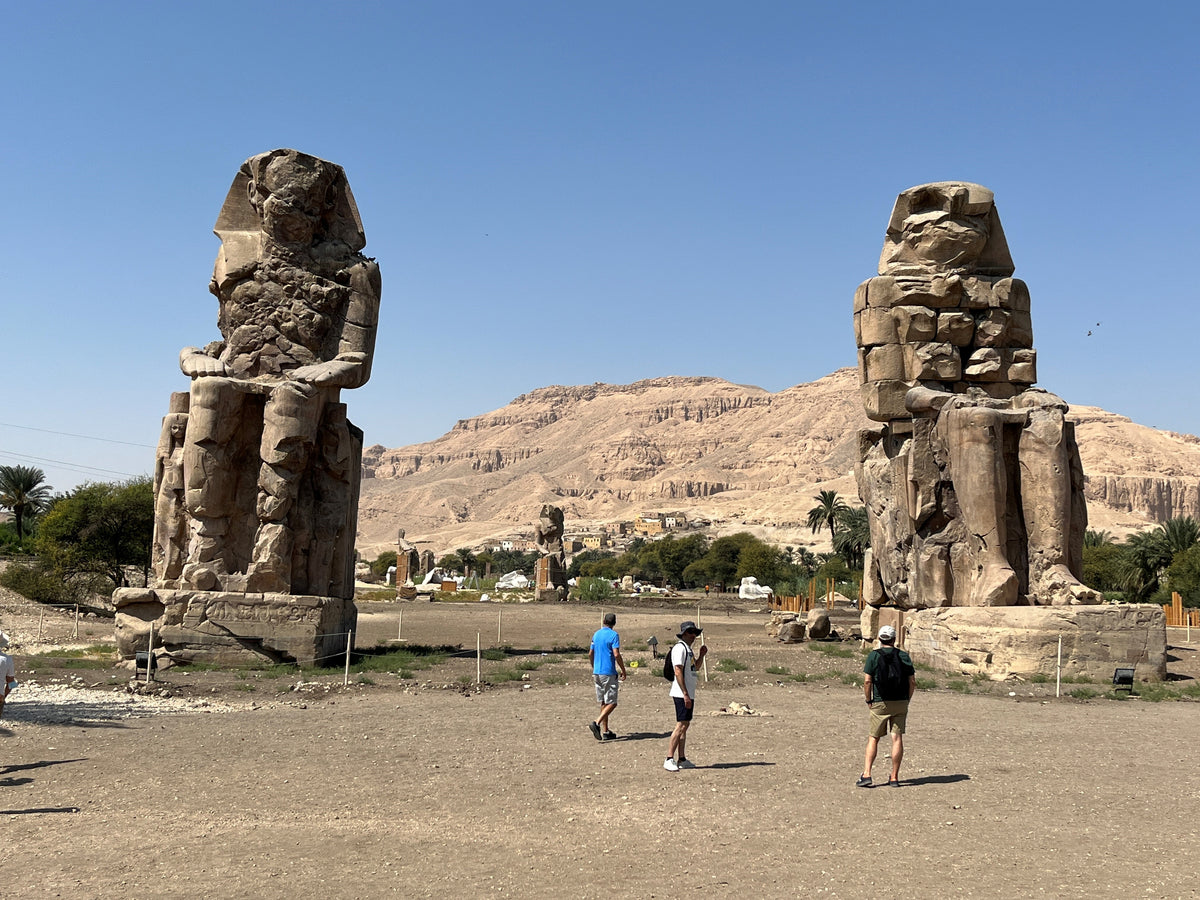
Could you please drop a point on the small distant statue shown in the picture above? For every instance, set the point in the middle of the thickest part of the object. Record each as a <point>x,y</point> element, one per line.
<point>269,462</point>
<point>548,538</point>
<point>408,560</point>
<point>974,484</point>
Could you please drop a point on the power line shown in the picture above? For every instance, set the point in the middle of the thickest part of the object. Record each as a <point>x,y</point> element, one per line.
<point>86,437</point>
<point>74,467</point>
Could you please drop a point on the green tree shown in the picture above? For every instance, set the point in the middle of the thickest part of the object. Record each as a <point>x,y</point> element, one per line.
<point>103,528</point>
<point>1102,567</point>
<point>382,563</point>
<point>1178,534</point>
<point>1097,539</point>
<point>1183,575</point>
<point>466,558</point>
<point>825,513</point>
<point>587,558</point>
<point>764,562</point>
<point>24,491</point>
<point>853,537</point>
<point>674,556</point>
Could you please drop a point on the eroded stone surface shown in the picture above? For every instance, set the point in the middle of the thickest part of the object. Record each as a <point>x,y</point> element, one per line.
<point>1023,641</point>
<point>551,571</point>
<point>973,482</point>
<point>257,472</point>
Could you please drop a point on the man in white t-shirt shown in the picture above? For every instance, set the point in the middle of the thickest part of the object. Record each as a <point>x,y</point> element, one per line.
<point>683,692</point>
<point>8,672</point>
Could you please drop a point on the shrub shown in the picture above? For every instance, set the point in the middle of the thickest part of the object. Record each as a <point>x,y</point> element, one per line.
<point>594,590</point>
<point>778,670</point>
<point>731,665</point>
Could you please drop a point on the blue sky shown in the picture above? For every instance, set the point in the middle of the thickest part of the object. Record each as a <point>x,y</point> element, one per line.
<point>566,192</point>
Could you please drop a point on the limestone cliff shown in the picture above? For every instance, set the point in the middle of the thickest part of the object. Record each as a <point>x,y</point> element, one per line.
<point>735,454</point>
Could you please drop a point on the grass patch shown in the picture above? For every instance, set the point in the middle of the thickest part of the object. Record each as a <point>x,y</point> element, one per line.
<point>957,684</point>
<point>778,670</point>
<point>1083,694</point>
<point>832,650</point>
<point>731,665</point>
<point>852,678</point>
<point>500,676</point>
<point>400,659</point>
<point>927,684</point>
<point>68,662</point>
<point>93,650</point>
<point>363,679</point>
<point>529,665</point>
<point>244,687</point>
<point>555,679</point>
<point>1039,678</point>
<point>799,676</point>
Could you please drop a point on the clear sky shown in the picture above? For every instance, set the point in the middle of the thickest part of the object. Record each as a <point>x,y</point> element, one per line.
<point>563,192</point>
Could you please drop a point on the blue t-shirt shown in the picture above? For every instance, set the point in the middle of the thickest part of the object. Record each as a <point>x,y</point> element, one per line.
<point>604,642</point>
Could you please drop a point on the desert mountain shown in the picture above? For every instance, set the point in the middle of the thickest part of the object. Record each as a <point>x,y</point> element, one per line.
<point>736,455</point>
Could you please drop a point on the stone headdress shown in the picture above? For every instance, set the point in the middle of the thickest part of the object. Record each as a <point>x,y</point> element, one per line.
<point>240,228</point>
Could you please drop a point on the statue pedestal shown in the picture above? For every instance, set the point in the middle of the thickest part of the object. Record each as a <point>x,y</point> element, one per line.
<point>222,627</point>
<point>1022,641</point>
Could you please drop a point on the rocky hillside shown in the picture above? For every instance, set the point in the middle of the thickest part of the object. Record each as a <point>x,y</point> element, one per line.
<point>737,455</point>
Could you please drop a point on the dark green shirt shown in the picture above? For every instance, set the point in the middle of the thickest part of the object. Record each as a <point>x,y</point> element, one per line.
<point>871,666</point>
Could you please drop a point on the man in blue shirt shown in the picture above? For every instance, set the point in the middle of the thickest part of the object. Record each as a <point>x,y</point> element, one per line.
<point>605,656</point>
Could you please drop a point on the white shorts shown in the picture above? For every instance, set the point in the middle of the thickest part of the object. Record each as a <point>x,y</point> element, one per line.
<point>606,688</point>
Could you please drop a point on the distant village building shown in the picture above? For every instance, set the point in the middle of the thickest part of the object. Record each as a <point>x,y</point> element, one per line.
<point>595,541</point>
<point>658,523</point>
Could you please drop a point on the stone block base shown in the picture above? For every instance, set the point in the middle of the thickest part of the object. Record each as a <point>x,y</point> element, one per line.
<point>217,627</point>
<point>1000,642</point>
<point>548,595</point>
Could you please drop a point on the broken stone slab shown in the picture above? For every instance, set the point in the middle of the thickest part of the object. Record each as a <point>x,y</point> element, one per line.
<point>792,632</point>
<point>1022,641</point>
<point>818,624</point>
<point>230,627</point>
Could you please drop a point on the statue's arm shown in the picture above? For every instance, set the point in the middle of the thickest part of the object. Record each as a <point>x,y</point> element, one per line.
<point>351,367</point>
<point>195,362</point>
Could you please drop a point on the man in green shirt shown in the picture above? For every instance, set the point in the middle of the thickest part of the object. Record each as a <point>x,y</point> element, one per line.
<point>889,684</point>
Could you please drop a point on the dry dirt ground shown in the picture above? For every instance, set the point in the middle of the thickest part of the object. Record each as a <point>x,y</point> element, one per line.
<point>285,784</point>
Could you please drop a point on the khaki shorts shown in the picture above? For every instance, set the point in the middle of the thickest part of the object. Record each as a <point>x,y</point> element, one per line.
<point>606,688</point>
<point>888,715</point>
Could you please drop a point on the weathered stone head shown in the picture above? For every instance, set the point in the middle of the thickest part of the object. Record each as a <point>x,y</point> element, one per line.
<point>944,312</point>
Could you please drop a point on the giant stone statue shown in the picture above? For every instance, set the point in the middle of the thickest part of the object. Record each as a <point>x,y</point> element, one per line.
<point>258,467</point>
<point>551,570</point>
<point>973,479</point>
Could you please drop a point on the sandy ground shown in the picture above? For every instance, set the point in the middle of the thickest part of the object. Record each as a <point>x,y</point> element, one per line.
<point>426,787</point>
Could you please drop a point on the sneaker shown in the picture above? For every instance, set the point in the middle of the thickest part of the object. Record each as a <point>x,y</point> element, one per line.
<point>610,735</point>
<point>670,765</point>
<point>595,730</point>
<point>864,781</point>
<point>686,764</point>
<point>893,783</point>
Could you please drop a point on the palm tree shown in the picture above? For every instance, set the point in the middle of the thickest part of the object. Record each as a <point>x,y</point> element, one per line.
<point>855,536</point>
<point>22,489</point>
<point>1178,534</point>
<point>1097,538</point>
<point>829,506</point>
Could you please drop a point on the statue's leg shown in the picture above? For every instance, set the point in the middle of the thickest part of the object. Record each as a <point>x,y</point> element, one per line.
<point>974,436</point>
<point>290,421</point>
<point>213,418</point>
<point>1047,505</point>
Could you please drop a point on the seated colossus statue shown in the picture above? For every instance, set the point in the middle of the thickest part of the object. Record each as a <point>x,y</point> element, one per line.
<point>258,467</point>
<point>973,481</point>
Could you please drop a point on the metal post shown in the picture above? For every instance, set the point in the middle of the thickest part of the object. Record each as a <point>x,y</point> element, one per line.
<point>41,616</point>
<point>76,621</point>
<point>150,654</point>
<point>1058,671</point>
<point>499,616</point>
<point>478,660</point>
<point>346,677</point>
<point>400,627</point>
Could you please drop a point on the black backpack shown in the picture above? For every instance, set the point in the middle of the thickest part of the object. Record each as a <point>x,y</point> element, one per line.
<point>890,678</point>
<point>668,669</point>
